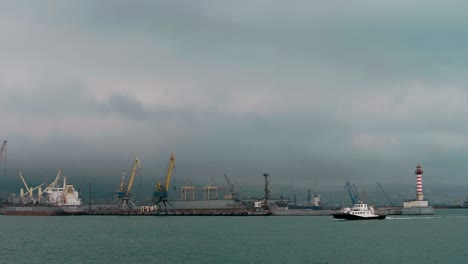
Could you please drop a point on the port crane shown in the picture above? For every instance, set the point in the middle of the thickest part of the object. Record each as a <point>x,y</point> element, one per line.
<point>123,194</point>
<point>160,192</point>
<point>353,193</point>
<point>386,196</point>
<point>233,192</point>
<point>357,193</point>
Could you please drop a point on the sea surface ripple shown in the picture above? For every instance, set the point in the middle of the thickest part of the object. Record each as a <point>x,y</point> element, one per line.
<point>441,238</point>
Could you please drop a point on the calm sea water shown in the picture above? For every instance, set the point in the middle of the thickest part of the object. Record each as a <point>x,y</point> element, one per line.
<point>442,238</point>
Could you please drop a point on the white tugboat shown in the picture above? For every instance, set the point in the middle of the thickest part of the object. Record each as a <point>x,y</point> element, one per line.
<point>359,211</point>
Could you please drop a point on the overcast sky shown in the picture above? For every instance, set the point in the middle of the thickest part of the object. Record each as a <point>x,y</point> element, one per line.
<point>355,90</point>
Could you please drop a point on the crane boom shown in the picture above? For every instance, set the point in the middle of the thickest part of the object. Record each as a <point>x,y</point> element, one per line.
<point>54,183</point>
<point>356,193</point>
<point>169,172</point>
<point>29,190</point>
<point>386,196</point>
<point>232,189</point>
<point>231,186</point>
<point>352,192</point>
<point>24,182</point>
<point>136,165</point>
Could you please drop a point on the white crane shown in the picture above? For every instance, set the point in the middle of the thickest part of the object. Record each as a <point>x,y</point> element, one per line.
<point>30,190</point>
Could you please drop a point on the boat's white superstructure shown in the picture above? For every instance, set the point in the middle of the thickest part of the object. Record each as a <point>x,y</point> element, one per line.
<point>359,211</point>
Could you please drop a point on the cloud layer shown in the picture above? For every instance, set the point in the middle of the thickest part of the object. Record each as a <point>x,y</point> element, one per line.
<point>358,91</point>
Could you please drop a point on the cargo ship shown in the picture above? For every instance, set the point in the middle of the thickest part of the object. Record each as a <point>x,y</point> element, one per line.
<point>59,199</point>
<point>313,204</point>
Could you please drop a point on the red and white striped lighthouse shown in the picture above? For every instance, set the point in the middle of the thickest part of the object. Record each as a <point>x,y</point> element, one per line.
<point>419,191</point>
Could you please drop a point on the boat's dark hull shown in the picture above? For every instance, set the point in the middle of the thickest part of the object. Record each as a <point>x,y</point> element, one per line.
<point>356,217</point>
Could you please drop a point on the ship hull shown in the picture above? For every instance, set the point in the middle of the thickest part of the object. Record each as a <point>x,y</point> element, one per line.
<point>73,210</point>
<point>40,210</point>
<point>203,204</point>
<point>356,217</point>
<point>304,207</point>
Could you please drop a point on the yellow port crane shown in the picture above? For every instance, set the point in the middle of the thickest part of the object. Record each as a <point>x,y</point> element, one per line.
<point>123,193</point>
<point>160,192</point>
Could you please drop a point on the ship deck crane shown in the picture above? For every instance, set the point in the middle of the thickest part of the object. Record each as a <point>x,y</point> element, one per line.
<point>54,183</point>
<point>160,192</point>
<point>30,190</point>
<point>123,194</point>
<point>386,196</point>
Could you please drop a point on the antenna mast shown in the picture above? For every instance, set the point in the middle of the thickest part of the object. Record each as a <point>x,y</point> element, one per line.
<point>267,193</point>
<point>3,154</point>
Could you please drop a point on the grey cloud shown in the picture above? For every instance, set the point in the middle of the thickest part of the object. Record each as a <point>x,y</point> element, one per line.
<point>128,106</point>
<point>64,99</point>
<point>379,39</point>
<point>52,99</point>
<point>281,41</point>
<point>310,62</point>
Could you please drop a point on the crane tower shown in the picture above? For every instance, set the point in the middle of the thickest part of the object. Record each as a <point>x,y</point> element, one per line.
<point>125,188</point>
<point>160,192</point>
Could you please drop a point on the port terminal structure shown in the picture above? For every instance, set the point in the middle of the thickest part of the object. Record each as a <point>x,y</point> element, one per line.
<point>232,206</point>
<point>418,206</point>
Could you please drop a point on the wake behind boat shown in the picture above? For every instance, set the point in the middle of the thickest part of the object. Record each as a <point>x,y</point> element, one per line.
<point>359,211</point>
